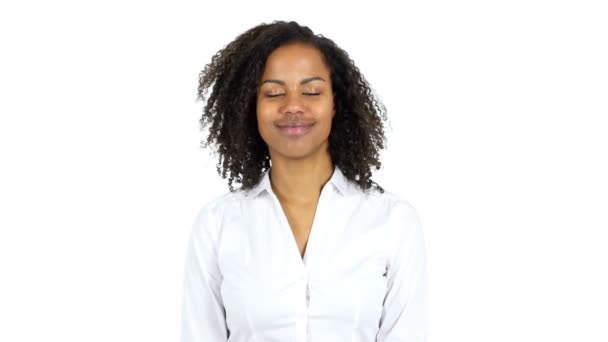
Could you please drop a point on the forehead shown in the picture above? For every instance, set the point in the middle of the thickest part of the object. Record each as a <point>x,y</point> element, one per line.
<point>297,60</point>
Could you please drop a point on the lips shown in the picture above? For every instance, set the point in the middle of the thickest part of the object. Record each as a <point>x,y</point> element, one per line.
<point>294,124</point>
<point>295,129</point>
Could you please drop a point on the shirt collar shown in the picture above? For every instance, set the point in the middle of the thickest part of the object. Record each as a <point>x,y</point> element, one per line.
<point>337,179</point>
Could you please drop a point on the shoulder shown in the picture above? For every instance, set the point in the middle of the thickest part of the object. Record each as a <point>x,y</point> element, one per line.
<point>218,209</point>
<point>219,203</point>
<point>399,216</point>
<point>389,202</point>
<point>398,204</point>
<point>402,225</point>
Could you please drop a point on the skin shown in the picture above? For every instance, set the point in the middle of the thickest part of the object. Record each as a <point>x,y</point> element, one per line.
<point>301,165</point>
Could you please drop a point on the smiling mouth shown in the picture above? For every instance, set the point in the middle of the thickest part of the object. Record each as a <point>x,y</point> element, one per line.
<point>295,129</point>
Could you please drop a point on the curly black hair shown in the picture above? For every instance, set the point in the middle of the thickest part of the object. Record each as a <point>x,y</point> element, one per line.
<point>357,132</point>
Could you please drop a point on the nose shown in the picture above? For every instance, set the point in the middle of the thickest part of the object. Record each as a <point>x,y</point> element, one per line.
<point>293,103</point>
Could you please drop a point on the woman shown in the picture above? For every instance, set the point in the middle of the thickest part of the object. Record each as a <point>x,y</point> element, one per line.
<point>309,248</point>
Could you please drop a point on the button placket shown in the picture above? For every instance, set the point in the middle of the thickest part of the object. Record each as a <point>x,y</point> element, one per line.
<point>307,296</point>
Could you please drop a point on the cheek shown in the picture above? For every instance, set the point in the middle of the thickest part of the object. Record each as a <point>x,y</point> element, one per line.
<point>264,125</point>
<point>327,114</point>
<point>326,127</point>
<point>266,111</point>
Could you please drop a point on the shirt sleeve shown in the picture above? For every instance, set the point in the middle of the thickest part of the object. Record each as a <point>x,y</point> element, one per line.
<point>203,315</point>
<point>404,316</point>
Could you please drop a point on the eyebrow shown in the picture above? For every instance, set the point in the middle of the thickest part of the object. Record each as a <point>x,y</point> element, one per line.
<point>304,81</point>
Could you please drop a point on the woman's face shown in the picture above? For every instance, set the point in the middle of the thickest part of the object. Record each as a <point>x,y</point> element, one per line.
<point>295,104</point>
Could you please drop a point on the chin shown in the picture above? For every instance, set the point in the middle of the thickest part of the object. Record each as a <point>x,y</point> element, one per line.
<point>295,155</point>
<point>297,151</point>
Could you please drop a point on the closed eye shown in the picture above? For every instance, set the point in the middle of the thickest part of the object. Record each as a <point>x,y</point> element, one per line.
<point>308,94</point>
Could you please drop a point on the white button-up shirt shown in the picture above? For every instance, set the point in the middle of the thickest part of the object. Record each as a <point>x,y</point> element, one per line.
<point>362,278</point>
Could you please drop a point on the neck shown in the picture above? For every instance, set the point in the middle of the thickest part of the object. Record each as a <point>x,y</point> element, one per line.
<point>300,181</point>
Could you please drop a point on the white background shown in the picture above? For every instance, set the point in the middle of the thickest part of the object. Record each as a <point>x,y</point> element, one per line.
<point>499,138</point>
